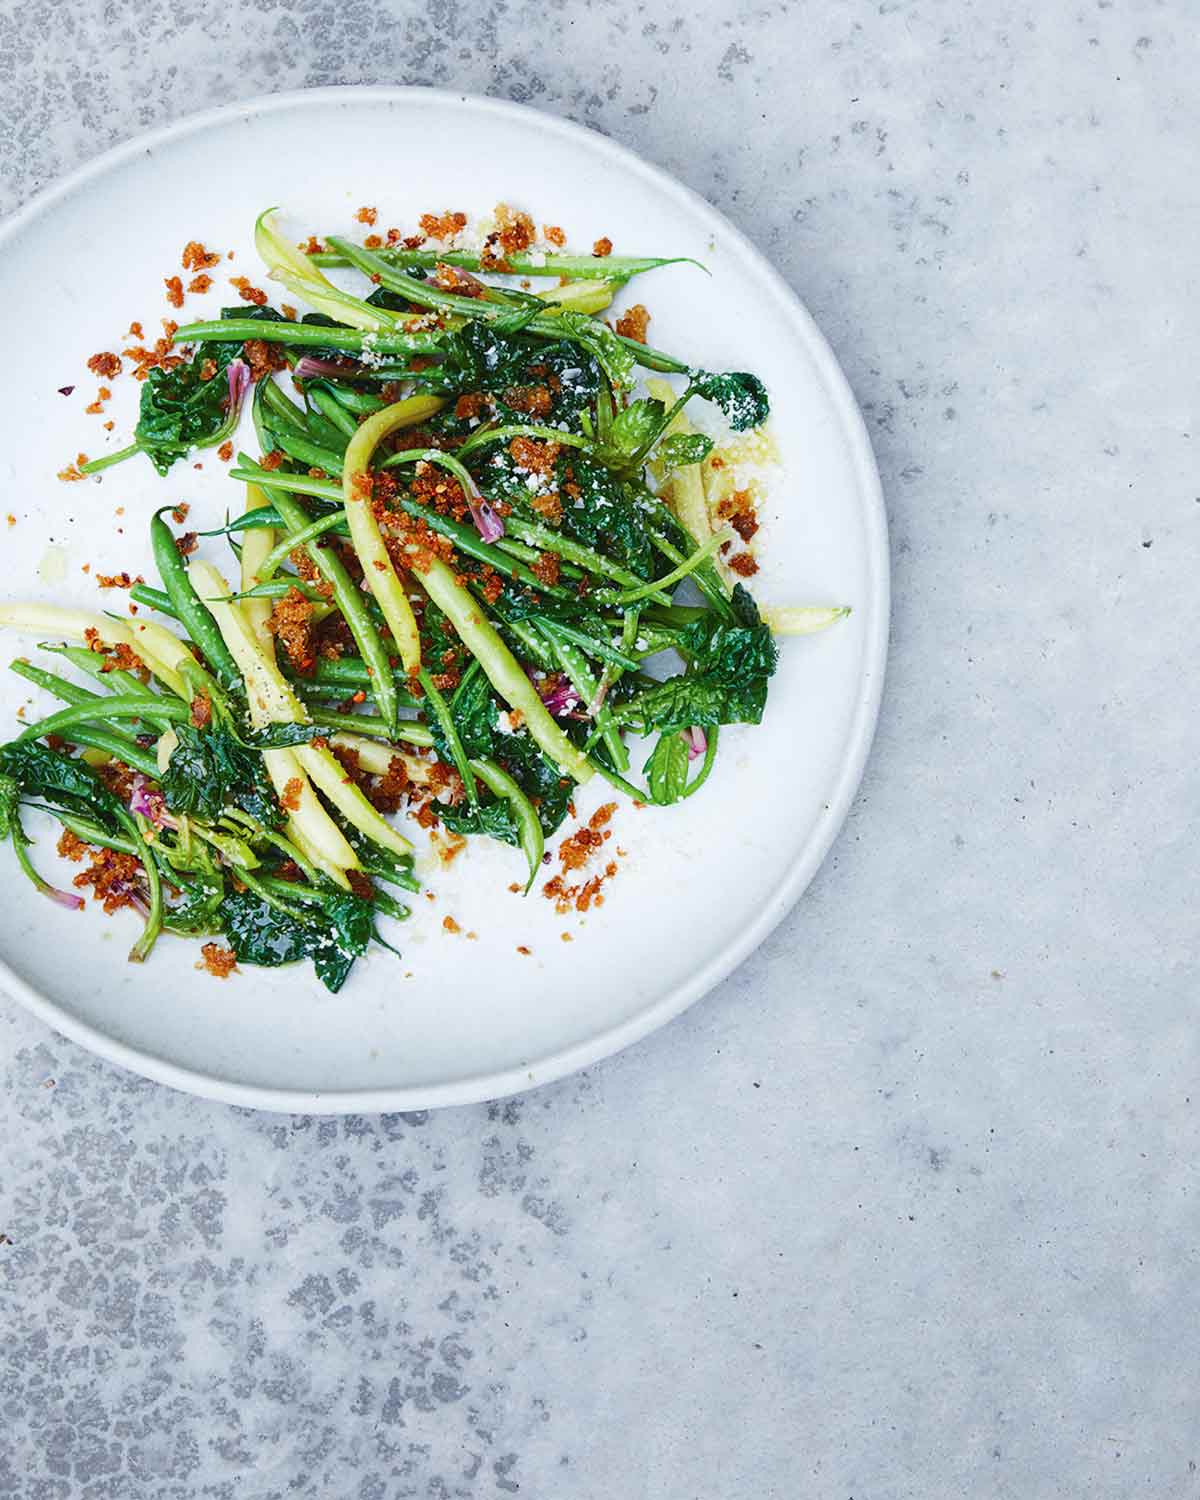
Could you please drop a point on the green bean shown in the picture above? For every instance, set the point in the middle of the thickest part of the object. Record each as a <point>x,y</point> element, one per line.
<point>124,706</point>
<point>94,662</point>
<point>427,294</point>
<point>152,598</point>
<point>529,829</point>
<point>574,664</point>
<point>299,484</point>
<point>684,570</point>
<point>283,550</point>
<point>229,330</point>
<point>586,643</point>
<point>69,692</point>
<point>352,605</point>
<point>562,546</point>
<point>351,671</point>
<point>303,449</point>
<point>84,828</point>
<point>332,409</point>
<point>407,730</point>
<point>528,641</point>
<point>186,602</point>
<point>441,712</point>
<point>104,739</point>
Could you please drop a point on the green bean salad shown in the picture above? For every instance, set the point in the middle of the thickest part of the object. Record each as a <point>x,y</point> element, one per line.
<point>479,554</point>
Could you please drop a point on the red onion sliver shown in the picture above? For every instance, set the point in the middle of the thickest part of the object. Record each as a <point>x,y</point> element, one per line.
<point>63,898</point>
<point>487,523</point>
<point>239,383</point>
<point>697,741</point>
<point>309,367</point>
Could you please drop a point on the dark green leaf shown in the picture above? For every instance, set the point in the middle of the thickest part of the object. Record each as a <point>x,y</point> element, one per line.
<point>261,934</point>
<point>682,449</point>
<point>279,736</point>
<point>40,771</point>
<point>10,793</point>
<point>615,358</point>
<point>473,709</point>
<point>741,396</point>
<point>345,935</point>
<point>666,769</point>
<point>540,779</point>
<point>730,666</point>
<point>493,819</point>
<point>634,427</point>
<point>209,771</point>
<point>197,908</point>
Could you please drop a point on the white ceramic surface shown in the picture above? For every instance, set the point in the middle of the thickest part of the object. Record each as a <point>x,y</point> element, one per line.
<point>702,884</point>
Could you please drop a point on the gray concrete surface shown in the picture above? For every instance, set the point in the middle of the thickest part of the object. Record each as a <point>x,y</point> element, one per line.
<point>909,1207</point>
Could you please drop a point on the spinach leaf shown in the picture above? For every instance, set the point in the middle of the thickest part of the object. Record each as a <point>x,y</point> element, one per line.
<point>197,909</point>
<point>345,936</point>
<point>474,712</point>
<point>615,358</point>
<point>633,427</point>
<point>262,934</point>
<point>209,770</point>
<point>741,396</point>
<point>682,449</point>
<point>61,779</point>
<point>540,779</point>
<point>493,818</point>
<point>666,769</point>
<point>730,666</point>
<point>186,407</point>
<point>729,653</point>
<point>333,937</point>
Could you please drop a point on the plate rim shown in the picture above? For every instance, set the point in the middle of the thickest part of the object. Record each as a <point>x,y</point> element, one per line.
<point>479,1087</point>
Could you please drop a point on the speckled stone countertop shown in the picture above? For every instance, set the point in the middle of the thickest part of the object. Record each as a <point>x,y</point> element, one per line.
<point>909,1207</point>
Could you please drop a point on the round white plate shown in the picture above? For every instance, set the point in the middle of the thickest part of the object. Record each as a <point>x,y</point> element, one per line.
<point>700,885</point>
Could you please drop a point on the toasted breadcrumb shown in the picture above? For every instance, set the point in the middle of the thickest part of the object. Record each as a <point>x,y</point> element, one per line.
<point>292,793</point>
<point>196,258</point>
<point>174,286</point>
<point>107,365</point>
<point>450,924</point>
<point>442,226</point>
<point>516,229</point>
<point>247,292</point>
<point>219,962</point>
<point>366,216</point>
<point>525,952</point>
<point>113,878</point>
<point>632,323</point>
<point>602,247</point>
<point>117,580</point>
<point>554,235</point>
<point>200,284</point>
